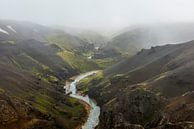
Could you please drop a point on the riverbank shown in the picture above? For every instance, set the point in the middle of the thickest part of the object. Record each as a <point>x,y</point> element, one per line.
<point>86,105</point>
<point>86,114</point>
<point>91,119</point>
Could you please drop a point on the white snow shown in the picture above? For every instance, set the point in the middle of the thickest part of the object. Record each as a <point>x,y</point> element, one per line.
<point>90,57</point>
<point>3,31</point>
<point>11,28</point>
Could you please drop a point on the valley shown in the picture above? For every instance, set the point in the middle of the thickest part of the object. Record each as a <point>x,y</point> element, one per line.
<point>151,90</point>
<point>58,79</point>
<point>34,68</point>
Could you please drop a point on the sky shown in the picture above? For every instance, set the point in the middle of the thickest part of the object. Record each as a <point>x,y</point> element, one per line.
<point>97,14</point>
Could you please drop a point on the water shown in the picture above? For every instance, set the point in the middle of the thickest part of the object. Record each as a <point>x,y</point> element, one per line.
<point>93,118</point>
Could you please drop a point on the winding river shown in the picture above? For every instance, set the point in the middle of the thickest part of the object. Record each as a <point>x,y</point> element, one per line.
<point>93,118</point>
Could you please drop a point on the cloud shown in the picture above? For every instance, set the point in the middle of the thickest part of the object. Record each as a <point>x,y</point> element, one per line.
<point>97,14</point>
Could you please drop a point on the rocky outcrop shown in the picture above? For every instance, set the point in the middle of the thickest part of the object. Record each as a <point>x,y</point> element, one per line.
<point>140,107</point>
<point>137,107</point>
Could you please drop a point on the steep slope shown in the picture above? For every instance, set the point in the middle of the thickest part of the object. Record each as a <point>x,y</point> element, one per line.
<point>161,69</point>
<point>169,65</point>
<point>33,72</point>
<point>29,99</point>
<point>13,31</point>
<point>38,56</point>
<point>147,89</point>
<point>32,38</point>
<point>135,38</point>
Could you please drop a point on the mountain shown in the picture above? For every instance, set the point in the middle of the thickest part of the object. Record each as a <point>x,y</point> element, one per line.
<point>152,89</point>
<point>18,31</point>
<point>134,38</point>
<point>14,30</point>
<point>90,36</point>
<point>34,66</point>
<point>159,65</point>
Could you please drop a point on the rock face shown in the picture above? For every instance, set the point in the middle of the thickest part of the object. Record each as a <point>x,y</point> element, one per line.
<point>138,107</point>
<point>142,109</point>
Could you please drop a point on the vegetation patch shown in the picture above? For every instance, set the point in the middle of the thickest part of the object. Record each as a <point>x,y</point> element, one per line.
<point>84,84</point>
<point>60,40</point>
<point>104,63</point>
<point>76,61</point>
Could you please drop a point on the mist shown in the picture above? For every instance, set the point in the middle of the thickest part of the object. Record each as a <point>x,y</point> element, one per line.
<point>101,15</point>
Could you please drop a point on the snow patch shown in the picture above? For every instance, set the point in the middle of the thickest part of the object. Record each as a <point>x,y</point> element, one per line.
<point>90,57</point>
<point>11,28</point>
<point>3,31</point>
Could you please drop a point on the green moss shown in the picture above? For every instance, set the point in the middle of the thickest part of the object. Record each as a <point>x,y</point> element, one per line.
<point>2,91</point>
<point>70,112</point>
<point>104,63</point>
<point>76,61</point>
<point>42,100</point>
<point>84,84</point>
<point>87,54</point>
<point>88,79</point>
<point>52,79</point>
<point>40,108</point>
<point>60,40</point>
<point>72,100</point>
<point>47,79</point>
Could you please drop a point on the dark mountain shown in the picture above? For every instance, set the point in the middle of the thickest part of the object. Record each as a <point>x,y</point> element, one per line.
<point>160,65</point>
<point>33,71</point>
<point>152,89</point>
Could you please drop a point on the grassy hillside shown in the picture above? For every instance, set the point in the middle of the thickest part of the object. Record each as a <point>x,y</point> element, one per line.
<point>155,79</point>
<point>78,62</point>
<point>33,72</point>
<point>45,102</point>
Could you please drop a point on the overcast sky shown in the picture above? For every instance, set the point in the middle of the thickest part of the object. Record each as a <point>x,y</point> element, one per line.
<point>97,14</point>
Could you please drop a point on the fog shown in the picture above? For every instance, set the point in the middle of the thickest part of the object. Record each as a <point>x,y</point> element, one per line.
<point>97,14</point>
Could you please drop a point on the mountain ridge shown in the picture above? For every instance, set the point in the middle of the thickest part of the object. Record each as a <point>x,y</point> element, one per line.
<point>139,84</point>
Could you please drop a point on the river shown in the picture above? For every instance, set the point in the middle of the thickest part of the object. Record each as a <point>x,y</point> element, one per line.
<point>93,118</point>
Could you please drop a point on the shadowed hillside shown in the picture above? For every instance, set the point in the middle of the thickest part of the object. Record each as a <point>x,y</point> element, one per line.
<point>147,89</point>
<point>33,71</point>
